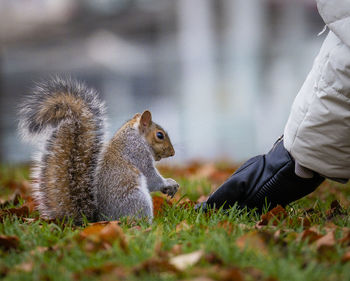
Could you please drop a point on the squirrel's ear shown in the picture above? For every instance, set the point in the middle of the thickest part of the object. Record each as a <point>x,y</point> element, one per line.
<point>146,119</point>
<point>137,115</point>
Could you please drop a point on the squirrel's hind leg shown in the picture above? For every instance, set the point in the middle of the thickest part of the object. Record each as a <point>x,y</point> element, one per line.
<point>136,202</point>
<point>139,204</point>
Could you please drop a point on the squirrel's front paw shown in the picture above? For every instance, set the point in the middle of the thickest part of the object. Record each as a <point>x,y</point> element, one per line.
<point>170,188</point>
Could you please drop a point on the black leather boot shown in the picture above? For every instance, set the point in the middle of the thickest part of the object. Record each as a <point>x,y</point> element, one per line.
<point>268,178</point>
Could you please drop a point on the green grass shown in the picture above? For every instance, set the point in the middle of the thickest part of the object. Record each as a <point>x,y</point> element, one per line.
<point>282,258</point>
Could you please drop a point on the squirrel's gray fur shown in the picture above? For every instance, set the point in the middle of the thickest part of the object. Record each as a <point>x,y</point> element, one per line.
<point>77,175</point>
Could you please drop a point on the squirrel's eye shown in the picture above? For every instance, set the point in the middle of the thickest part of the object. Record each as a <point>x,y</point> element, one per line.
<point>160,135</point>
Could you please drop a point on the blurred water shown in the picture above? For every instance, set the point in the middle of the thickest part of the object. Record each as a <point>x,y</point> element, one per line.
<point>220,76</point>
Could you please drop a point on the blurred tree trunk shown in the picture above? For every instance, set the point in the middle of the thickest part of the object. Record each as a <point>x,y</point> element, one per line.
<point>196,45</point>
<point>243,45</point>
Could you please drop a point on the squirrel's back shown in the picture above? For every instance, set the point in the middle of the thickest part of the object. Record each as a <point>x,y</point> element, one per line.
<point>70,118</point>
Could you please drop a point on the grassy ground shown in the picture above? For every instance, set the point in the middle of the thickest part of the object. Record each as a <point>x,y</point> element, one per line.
<point>308,241</point>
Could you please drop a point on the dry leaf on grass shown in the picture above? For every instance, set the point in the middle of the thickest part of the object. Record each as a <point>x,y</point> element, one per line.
<point>252,241</point>
<point>199,278</point>
<point>184,261</point>
<point>326,243</point>
<point>326,240</point>
<point>304,222</point>
<point>26,266</point>
<point>218,272</point>
<point>310,235</point>
<point>40,249</point>
<point>22,187</point>
<point>159,251</point>
<point>231,274</point>
<point>330,226</point>
<point>226,225</point>
<point>103,235</point>
<point>186,204</point>
<point>346,257</point>
<point>107,270</point>
<point>213,258</point>
<point>91,231</point>
<point>4,271</point>
<point>345,241</point>
<point>19,212</point>
<point>14,199</point>
<point>30,220</point>
<point>155,265</point>
<point>111,232</point>
<point>335,210</point>
<point>8,242</point>
<point>176,249</point>
<point>275,216</point>
<point>159,203</point>
<point>183,226</point>
<point>279,215</point>
<point>211,172</point>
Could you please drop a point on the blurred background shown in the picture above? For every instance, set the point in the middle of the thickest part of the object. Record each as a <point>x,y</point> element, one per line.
<point>219,75</point>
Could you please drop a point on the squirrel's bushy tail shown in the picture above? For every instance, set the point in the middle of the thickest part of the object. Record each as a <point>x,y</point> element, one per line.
<point>71,117</point>
<point>56,100</point>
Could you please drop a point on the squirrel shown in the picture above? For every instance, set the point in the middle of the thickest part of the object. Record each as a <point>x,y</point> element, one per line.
<point>78,175</point>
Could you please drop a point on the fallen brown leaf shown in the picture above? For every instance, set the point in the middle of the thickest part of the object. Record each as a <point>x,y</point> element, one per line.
<point>186,204</point>
<point>158,205</point>
<point>39,249</point>
<point>103,235</point>
<point>112,232</point>
<point>310,235</point>
<point>26,266</point>
<point>275,216</point>
<point>30,220</point>
<point>304,222</point>
<point>4,270</point>
<point>115,271</point>
<point>159,251</point>
<point>217,272</point>
<point>252,241</point>
<point>226,225</point>
<point>231,274</point>
<point>345,241</point>
<point>8,242</point>
<point>213,258</point>
<point>346,257</point>
<point>92,230</point>
<point>219,176</point>
<point>13,200</point>
<point>199,278</point>
<point>183,226</point>
<point>19,212</point>
<point>327,239</point>
<point>155,264</point>
<point>253,273</point>
<point>279,215</point>
<point>176,249</point>
<point>330,226</point>
<point>326,243</point>
<point>335,210</point>
<point>30,203</point>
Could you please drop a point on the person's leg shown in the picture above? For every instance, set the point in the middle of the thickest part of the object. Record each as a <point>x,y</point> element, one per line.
<point>268,178</point>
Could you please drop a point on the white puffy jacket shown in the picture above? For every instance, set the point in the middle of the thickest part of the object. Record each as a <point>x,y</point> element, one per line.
<point>317,133</point>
